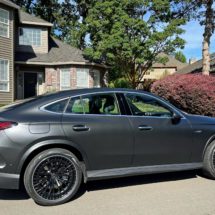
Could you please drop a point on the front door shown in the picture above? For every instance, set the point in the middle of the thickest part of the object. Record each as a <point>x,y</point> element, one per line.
<point>157,140</point>
<point>30,85</point>
<point>104,134</point>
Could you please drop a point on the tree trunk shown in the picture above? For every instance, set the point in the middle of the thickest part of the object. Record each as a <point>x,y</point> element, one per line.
<point>207,35</point>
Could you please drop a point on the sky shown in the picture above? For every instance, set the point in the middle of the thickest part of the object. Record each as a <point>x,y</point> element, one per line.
<point>194,37</point>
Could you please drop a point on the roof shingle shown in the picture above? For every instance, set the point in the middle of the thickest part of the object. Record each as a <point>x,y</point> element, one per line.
<point>197,66</point>
<point>59,52</point>
<point>26,17</point>
<point>172,62</point>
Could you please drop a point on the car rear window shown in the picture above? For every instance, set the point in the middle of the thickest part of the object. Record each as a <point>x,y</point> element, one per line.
<point>57,107</point>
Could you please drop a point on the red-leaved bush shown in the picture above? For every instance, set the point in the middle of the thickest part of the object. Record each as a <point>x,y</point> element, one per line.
<point>192,93</point>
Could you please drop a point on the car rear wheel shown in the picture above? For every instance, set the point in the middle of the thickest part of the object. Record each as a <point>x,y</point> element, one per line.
<point>209,161</point>
<point>53,177</point>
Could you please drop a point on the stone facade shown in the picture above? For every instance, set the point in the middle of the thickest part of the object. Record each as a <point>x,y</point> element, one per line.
<point>52,77</point>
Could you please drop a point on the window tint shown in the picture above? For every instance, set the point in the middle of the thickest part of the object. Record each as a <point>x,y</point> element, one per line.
<point>57,107</point>
<point>75,106</point>
<point>146,106</point>
<point>100,104</point>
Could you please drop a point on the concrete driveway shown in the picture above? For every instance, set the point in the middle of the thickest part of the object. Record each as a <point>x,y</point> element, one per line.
<point>170,193</point>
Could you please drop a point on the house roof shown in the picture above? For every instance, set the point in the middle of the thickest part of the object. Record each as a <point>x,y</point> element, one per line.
<point>171,63</point>
<point>59,53</point>
<point>9,3</point>
<point>26,18</point>
<point>197,66</point>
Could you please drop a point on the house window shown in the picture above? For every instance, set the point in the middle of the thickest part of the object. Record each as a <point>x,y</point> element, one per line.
<point>30,37</point>
<point>65,79</point>
<point>82,78</point>
<point>96,78</point>
<point>4,75</point>
<point>4,23</point>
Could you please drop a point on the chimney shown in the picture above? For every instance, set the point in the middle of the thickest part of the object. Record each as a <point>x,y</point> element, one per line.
<point>192,60</point>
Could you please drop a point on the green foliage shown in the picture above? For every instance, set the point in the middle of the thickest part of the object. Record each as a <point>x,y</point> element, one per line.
<point>1,105</point>
<point>121,30</point>
<point>180,57</point>
<point>120,83</point>
<point>51,91</point>
<point>165,74</point>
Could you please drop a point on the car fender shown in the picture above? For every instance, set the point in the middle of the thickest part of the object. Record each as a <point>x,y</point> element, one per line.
<point>52,142</point>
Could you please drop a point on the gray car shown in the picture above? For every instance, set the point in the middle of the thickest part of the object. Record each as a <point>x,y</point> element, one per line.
<point>54,141</point>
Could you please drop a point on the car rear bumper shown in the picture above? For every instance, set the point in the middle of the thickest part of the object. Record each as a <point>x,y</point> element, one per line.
<point>9,181</point>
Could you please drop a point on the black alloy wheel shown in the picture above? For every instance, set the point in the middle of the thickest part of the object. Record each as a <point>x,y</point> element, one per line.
<point>53,177</point>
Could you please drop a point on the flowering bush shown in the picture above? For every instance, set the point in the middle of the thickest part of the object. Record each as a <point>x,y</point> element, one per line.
<point>193,93</point>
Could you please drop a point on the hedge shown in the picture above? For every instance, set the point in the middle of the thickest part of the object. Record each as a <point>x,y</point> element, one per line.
<point>192,93</point>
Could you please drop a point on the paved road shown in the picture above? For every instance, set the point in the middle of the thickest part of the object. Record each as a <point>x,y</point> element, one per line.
<point>170,193</point>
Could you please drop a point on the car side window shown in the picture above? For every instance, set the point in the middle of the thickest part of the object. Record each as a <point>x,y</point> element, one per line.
<point>75,106</point>
<point>56,107</point>
<point>142,105</point>
<point>100,104</point>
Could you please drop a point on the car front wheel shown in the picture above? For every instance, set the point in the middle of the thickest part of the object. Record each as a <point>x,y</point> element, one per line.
<point>53,177</point>
<point>209,161</point>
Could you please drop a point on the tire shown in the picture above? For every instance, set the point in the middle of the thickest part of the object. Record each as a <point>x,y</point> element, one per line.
<point>209,161</point>
<point>53,177</point>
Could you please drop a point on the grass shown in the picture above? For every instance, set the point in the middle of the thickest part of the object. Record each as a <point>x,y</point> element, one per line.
<point>150,108</point>
<point>1,105</point>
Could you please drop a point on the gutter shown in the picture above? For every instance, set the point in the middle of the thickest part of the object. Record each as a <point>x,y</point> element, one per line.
<point>63,63</point>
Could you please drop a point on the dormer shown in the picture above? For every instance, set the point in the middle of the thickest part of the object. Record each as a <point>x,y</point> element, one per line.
<point>31,33</point>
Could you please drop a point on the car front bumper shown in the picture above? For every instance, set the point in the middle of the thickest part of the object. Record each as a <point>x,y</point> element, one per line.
<point>9,181</point>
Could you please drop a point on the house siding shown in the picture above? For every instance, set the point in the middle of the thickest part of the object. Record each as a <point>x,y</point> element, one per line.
<point>32,49</point>
<point>7,52</point>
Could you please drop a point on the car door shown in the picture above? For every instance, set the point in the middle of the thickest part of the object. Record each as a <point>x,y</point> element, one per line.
<point>94,122</point>
<point>158,140</point>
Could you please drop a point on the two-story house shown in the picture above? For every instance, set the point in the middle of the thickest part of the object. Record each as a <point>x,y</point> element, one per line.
<point>32,62</point>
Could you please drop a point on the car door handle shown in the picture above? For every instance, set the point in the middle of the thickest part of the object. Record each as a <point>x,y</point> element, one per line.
<point>81,128</point>
<point>145,128</point>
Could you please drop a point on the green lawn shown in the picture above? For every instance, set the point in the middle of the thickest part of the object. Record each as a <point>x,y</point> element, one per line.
<point>147,107</point>
<point>1,105</point>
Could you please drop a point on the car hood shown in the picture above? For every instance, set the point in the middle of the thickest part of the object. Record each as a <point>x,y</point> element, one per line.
<point>200,120</point>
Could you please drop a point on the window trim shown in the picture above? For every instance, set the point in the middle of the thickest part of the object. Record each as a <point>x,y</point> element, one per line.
<point>31,29</point>
<point>8,24</point>
<point>7,91</point>
<point>69,78</point>
<point>88,70</point>
<point>123,92</point>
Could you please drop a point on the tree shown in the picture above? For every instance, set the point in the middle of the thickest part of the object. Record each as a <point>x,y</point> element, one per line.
<point>62,14</point>
<point>129,31</point>
<point>180,57</point>
<point>201,10</point>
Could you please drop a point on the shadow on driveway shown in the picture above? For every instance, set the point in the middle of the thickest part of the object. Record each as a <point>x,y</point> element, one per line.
<point>21,194</point>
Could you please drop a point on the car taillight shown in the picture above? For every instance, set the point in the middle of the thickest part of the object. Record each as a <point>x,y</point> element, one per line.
<point>5,125</point>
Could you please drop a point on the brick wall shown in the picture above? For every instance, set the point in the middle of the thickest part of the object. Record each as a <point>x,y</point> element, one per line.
<point>52,78</point>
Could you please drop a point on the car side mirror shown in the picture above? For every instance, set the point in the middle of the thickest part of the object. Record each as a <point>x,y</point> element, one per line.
<point>176,117</point>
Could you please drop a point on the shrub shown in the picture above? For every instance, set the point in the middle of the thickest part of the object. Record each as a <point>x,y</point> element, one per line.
<point>193,93</point>
<point>1,105</point>
<point>120,83</point>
